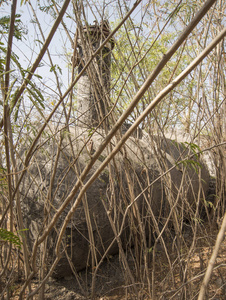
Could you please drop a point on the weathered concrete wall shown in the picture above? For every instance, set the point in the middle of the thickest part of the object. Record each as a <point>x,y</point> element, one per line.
<point>141,162</point>
<point>202,141</point>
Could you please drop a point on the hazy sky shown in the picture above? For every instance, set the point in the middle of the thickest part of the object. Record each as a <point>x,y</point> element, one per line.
<point>60,48</point>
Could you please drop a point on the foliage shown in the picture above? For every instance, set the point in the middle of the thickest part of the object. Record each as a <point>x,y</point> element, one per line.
<point>136,54</point>
<point>19,29</point>
<point>8,236</point>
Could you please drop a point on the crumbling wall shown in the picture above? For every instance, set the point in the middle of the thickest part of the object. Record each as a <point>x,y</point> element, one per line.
<point>109,195</point>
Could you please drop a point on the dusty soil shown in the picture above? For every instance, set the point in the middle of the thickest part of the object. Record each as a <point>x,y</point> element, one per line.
<point>111,282</point>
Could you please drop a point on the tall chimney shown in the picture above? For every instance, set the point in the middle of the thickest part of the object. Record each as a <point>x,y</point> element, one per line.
<point>93,88</point>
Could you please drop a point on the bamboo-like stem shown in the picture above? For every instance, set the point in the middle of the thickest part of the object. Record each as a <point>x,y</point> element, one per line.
<point>147,111</point>
<point>39,58</point>
<point>134,102</point>
<point>6,125</point>
<point>220,237</point>
<point>18,210</point>
<point>122,141</point>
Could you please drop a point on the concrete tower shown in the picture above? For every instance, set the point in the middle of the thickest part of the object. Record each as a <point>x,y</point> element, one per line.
<point>93,88</point>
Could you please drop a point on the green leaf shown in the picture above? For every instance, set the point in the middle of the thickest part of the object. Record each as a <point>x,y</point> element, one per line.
<point>8,236</point>
<point>194,147</point>
<point>23,2</point>
<point>54,67</point>
<point>39,41</point>
<point>19,29</point>
<point>9,91</point>
<point>91,131</point>
<point>36,94</point>
<point>150,250</point>
<point>17,109</point>
<point>4,73</point>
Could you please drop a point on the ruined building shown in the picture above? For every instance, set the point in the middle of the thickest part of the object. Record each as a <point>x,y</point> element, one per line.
<point>111,207</point>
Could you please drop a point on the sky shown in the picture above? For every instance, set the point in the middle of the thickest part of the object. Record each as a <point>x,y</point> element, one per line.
<point>60,48</point>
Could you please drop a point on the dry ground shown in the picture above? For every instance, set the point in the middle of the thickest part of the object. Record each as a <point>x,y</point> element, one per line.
<point>111,283</point>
